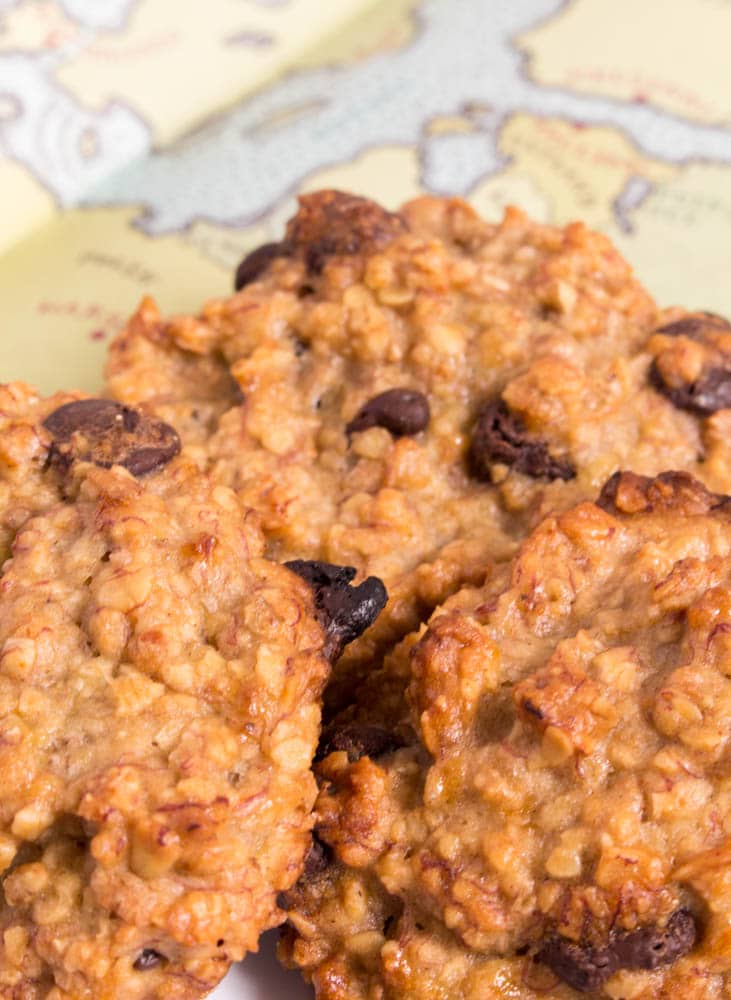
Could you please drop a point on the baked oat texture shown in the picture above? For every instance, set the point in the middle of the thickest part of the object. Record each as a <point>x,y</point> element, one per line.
<point>559,820</point>
<point>159,708</point>
<point>407,393</point>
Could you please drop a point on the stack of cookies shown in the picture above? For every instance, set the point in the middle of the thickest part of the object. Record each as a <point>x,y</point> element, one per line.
<point>440,503</point>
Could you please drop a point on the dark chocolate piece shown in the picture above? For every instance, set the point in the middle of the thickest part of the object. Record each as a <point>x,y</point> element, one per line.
<point>345,612</point>
<point>148,959</point>
<point>587,967</point>
<point>108,433</point>
<point>358,740</point>
<point>332,223</point>
<point>500,436</point>
<point>255,263</point>
<point>400,411</point>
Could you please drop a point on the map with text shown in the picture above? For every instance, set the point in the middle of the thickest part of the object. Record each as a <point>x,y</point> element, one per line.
<point>141,156</point>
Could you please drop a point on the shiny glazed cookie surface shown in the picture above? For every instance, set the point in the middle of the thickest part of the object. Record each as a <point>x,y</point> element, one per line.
<point>550,813</point>
<point>159,708</point>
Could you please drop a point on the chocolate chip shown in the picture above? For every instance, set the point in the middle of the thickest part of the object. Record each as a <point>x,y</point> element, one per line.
<point>148,959</point>
<point>108,433</point>
<point>255,263</point>
<point>332,223</point>
<point>358,740</point>
<point>651,947</point>
<point>679,492</point>
<point>318,860</point>
<point>322,574</point>
<point>532,709</point>
<point>344,611</point>
<point>607,498</point>
<point>500,436</point>
<point>587,967</point>
<point>709,393</point>
<point>694,325</point>
<point>583,967</point>
<point>400,411</point>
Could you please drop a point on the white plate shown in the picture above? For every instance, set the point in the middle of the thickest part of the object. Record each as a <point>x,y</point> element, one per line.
<point>261,977</point>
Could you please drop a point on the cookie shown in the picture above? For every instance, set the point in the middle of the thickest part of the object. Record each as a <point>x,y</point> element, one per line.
<point>160,685</point>
<point>557,822</point>
<point>25,489</point>
<point>407,393</point>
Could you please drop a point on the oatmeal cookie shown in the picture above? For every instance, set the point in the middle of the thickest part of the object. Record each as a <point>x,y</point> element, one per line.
<point>159,708</point>
<point>559,820</point>
<point>407,393</point>
<point>24,487</point>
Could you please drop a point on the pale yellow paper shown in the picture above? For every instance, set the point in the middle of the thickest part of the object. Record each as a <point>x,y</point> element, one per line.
<point>674,53</point>
<point>67,289</point>
<point>172,65</point>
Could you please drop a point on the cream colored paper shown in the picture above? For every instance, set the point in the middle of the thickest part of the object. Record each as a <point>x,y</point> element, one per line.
<point>610,112</point>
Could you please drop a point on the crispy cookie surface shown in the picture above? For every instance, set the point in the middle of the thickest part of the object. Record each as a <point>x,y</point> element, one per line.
<point>24,487</point>
<point>407,392</point>
<point>552,813</point>
<point>159,708</point>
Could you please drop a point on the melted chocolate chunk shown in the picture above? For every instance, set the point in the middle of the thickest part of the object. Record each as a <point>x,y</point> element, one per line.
<point>587,967</point>
<point>694,326</point>
<point>255,263</point>
<point>148,959</point>
<point>500,436</point>
<point>583,967</point>
<point>345,611</point>
<point>679,492</point>
<point>607,499</point>
<point>108,433</point>
<point>318,860</point>
<point>331,223</point>
<point>709,393</point>
<point>400,411</point>
<point>651,947</point>
<point>358,740</point>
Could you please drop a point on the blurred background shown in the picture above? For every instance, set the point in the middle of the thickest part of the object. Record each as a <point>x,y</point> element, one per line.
<point>146,145</point>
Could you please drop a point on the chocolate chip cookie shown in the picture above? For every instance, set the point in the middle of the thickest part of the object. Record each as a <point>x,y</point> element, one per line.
<point>552,814</point>
<point>407,393</point>
<point>24,487</point>
<point>160,686</point>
